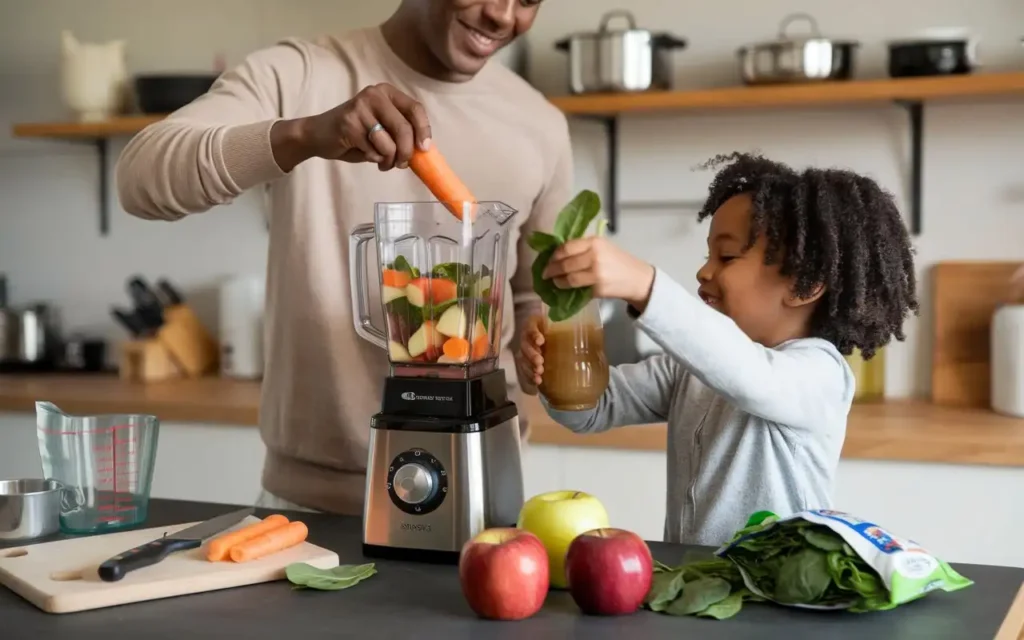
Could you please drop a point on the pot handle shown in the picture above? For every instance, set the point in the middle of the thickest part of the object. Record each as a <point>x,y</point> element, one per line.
<point>798,17</point>
<point>665,41</point>
<point>618,13</point>
<point>360,237</point>
<point>562,45</point>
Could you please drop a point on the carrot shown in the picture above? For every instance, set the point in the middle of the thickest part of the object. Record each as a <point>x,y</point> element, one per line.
<point>456,348</point>
<point>433,170</point>
<point>442,290</point>
<point>394,278</point>
<point>220,547</point>
<point>275,540</point>
<point>480,347</point>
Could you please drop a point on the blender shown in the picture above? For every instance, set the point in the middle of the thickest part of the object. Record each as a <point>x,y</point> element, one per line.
<point>444,451</point>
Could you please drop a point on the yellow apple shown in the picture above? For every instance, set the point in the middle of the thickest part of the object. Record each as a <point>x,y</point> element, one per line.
<point>557,518</point>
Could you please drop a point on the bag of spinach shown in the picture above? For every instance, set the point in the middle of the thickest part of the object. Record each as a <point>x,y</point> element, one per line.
<point>573,222</point>
<point>823,559</point>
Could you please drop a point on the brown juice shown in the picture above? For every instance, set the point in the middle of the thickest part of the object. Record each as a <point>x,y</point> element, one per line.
<point>575,366</point>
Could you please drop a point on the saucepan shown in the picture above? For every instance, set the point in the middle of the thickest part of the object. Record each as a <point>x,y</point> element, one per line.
<point>807,58</point>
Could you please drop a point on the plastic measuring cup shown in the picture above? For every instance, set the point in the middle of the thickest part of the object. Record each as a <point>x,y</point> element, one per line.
<point>105,464</point>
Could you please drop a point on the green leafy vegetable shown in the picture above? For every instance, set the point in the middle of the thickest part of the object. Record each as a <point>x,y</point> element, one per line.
<point>711,588</point>
<point>401,264</point>
<point>306,576</point>
<point>573,221</point>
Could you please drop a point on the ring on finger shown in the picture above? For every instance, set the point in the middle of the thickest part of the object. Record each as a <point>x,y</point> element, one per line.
<point>374,129</point>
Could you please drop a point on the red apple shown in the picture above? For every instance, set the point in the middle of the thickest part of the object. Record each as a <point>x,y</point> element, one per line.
<point>504,574</point>
<point>609,571</point>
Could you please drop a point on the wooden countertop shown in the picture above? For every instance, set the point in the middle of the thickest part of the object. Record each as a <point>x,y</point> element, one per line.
<point>893,430</point>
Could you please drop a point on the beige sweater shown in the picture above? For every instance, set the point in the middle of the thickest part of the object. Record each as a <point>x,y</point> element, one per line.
<point>323,382</point>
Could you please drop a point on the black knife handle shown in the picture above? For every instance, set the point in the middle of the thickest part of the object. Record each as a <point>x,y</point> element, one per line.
<point>171,295</point>
<point>148,554</point>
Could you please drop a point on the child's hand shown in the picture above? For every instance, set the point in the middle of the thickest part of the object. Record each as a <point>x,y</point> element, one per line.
<point>531,355</point>
<point>596,262</point>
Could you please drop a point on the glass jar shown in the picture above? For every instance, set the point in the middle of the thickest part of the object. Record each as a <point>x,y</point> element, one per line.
<point>575,365</point>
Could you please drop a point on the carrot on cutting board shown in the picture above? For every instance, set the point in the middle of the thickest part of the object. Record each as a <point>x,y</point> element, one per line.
<point>275,540</point>
<point>433,170</point>
<point>220,547</point>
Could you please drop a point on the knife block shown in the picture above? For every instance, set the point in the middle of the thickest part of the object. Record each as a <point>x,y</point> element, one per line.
<point>190,345</point>
<point>182,347</point>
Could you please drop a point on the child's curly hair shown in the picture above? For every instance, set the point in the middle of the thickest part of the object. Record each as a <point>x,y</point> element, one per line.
<point>834,228</point>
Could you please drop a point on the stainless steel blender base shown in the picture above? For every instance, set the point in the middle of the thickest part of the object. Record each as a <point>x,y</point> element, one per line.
<point>428,493</point>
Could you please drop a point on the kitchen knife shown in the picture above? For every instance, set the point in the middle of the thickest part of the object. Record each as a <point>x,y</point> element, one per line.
<point>129,321</point>
<point>171,296</point>
<point>154,552</point>
<point>147,304</point>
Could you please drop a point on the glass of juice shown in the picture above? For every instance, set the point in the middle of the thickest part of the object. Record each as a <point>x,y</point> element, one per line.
<point>575,365</point>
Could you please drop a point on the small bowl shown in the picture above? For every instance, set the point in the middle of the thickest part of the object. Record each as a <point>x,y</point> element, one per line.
<point>29,508</point>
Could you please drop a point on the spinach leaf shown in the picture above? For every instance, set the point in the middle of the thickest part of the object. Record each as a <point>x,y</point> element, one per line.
<point>401,264</point>
<point>725,608</point>
<point>823,538</point>
<point>665,588</point>
<point>572,223</point>
<point>575,217</point>
<point>803,577</point>
<point>306,576</point>
<point>699,595</point>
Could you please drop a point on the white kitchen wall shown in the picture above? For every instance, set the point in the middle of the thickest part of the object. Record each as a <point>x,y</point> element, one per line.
<point>974,150</point>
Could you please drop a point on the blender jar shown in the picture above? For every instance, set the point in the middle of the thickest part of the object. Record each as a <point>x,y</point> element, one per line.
<point>442,285</point>
<point>575,372</point>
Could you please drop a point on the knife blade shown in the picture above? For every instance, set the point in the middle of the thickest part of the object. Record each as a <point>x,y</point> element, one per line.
<point>153,552</point>
<point>171,296</point>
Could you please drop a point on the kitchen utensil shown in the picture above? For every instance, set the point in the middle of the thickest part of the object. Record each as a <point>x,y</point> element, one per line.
<point>29,509</point>
<point>241,327</point>
<point>160,94</point>
<point>9,321</point>
<point>105,464</point>
<point>937,52</point>
<point>169,294</point>
<point>154,551</point>
<point>63,577</point>
<point>444,451</point>
<point>130,322</point>
<point>965,296</point>
<point>147,305</point>
<point>620,60</point>
<point>797,59</point>
<point>84,354</point>
<point>28,335</point>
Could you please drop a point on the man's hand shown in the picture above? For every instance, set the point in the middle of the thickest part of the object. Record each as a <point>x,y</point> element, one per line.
<point>596,262</point>
<point>380,125</point>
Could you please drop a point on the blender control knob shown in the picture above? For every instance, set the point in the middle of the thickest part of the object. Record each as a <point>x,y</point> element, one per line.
<point>413,483</point>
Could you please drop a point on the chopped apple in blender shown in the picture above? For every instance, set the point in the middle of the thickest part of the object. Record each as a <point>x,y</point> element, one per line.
<point>390,294</point>
<point>446,360</point>
<point>398,352</point>
<point>433,290</point>
<point>483,287</point>
<point>426,340</point>
<point>480,342</point>
<point>453,322</point>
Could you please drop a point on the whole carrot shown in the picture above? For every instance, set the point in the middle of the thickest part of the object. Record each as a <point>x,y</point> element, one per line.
<point>220,547</point>
<point>433,170</point>
<point>270,542</point>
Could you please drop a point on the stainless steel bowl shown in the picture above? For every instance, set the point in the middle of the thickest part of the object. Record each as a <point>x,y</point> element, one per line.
<point>29,508</point>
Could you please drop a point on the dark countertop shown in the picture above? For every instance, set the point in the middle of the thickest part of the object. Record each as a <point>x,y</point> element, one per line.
<point>406,600</point>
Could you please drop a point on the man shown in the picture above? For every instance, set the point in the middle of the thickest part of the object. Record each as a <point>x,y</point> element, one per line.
<point>330,124</point>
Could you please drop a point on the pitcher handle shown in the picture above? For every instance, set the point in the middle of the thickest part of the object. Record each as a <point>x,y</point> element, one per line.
<point>360,287</point>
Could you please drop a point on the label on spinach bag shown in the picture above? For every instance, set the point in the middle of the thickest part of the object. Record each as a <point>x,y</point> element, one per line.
<point>825,559</point>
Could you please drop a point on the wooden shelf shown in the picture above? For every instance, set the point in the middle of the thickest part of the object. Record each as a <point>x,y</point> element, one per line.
<point>910,93</point>
<point>797,95</point>
<point>126,126</point>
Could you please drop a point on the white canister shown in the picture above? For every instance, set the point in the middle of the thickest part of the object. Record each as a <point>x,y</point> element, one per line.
<point>94,77</point>
<point>1007,360</point>
<point>241,327</point>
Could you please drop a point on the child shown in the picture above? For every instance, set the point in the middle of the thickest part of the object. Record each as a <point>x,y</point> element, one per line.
<point>803,267</point>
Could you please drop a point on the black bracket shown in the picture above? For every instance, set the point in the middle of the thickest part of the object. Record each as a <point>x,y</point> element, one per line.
<point>611,129</point>
<point>102,154</point>
<point>915,109</point>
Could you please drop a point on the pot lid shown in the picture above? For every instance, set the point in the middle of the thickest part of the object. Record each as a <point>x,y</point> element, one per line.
<point>813,32</point>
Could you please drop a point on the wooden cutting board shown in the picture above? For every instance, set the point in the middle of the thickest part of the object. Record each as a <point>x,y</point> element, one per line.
<point>965,295</point>
<point>61,577</point>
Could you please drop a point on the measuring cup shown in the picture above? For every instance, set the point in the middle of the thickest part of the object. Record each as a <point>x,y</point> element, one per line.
<point>105,464</point>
